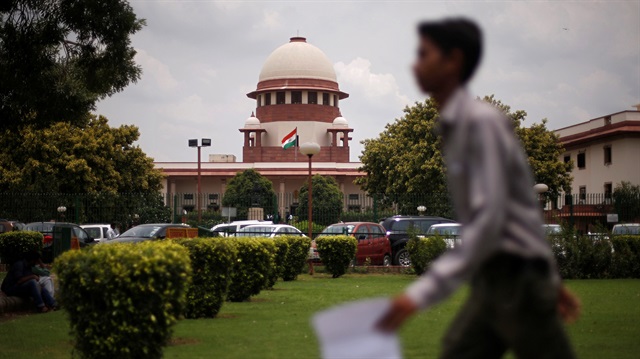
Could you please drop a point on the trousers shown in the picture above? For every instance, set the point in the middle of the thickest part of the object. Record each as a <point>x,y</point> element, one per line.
<point>512,306</point>
<point>32,289</point>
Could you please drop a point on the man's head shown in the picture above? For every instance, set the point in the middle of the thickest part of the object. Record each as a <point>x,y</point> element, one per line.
<point>32,257</point>
<point>449,50</point>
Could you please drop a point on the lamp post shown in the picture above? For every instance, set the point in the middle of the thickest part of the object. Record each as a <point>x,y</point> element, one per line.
<point>309,149</point>
<point>206,142</point>
<point>421,209</point>
<point>541,188</point>
<point>61,211</point>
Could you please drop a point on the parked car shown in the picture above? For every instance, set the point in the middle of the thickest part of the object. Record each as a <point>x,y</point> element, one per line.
<point>146,232</point>
<point>97,231</point>
<point>552,229</point>
<point>229,229</point>
<point>78,235</point>
<point>450,232</point>
<point>373,241</point>
<point>9,226</point>
<point>397,228</point>
<point>626,228</point>
<point>268,230</point>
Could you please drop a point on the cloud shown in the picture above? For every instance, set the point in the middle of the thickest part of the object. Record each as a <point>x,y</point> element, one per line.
<point>358,76</point>
<point>155,71</point>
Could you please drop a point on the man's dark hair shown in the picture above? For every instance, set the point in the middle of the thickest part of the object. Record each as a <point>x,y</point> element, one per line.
<point>456,33</point>
<point>32,256</point>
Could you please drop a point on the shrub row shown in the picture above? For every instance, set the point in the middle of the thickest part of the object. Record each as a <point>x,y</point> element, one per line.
<point>253,269</point>
<point>423,250</point>
<point>122,299</point>
<point>14,245</point>
<point>336,253</point>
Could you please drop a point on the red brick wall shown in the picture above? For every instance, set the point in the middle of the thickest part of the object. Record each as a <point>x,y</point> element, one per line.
<point>297,112</point>
<point>277,154</point>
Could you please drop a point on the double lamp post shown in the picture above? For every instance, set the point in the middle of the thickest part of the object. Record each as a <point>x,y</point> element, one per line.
<point>309,149</point>
<point>206,142</point>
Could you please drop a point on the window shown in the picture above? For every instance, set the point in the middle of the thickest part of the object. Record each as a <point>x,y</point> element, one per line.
<point>279,98</point>
<point>582,160</point>
<point>213,197</point>
<point>607,120</point>
<point>325,99</point>
<point>335,100</point>
<point>607,155</point>
<point>608,189</point>
<point>296,96</point>
<point>188,196</point>
<point>353,208</point>
<point>567,158</point>
<point>354,197</point>
<point>582,194</point>
<point>312,97</point>
<point>259,99</point>
<point>267,99</point>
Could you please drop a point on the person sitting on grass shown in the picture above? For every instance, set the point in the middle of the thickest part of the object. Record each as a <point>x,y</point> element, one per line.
<point>22,282</point>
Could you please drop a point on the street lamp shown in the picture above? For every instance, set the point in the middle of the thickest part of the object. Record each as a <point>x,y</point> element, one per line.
<point>206,142</point>
<point>309,149</point>
<point>541,188</point>
<point>421,209</point>
<point>61,211</point>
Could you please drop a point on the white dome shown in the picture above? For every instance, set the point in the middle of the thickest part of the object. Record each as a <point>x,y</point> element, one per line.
<point>252,122</point>
<point>340,122</point>
<point>298,59</point>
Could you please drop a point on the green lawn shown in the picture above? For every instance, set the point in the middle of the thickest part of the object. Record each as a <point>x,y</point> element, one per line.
<point>275,324</point>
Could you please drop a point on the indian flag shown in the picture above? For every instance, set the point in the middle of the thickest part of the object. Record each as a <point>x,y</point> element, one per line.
<point>291,139</point>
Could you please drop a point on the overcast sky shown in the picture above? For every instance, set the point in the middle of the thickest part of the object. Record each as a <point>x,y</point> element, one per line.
<point>567,61</point>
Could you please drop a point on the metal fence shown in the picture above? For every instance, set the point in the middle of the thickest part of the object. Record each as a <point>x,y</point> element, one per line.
<point>582,210</point>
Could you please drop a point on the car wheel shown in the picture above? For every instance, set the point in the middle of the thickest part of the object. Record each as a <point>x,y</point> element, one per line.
<point>387,260</point>
<point>402,258</point>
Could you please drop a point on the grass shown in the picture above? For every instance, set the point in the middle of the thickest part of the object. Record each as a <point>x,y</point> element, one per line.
<point>275,324</point>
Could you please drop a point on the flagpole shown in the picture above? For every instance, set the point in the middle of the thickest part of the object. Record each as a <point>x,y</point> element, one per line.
<point>297,145</point>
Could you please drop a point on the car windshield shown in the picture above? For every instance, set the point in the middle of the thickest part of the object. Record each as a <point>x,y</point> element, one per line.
<point>553,229</point>
<point>141,231</point>
<point>626,230</point>
<point>338,229</point>
<point>255,231</point>
<point>93,232</point>
<point>447,230</point>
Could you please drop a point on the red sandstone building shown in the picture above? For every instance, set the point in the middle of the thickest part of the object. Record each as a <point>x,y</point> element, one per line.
<point>297,90</point>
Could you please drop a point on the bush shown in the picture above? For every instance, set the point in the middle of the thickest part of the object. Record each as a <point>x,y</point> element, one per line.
<point>303,226</point>
<point>423,251</point>
<point>626,256</point>
<point>581,256</point>
<point>252,269</point>
<point>336,253</point>
<point>296,256</point>
<point>14,245</point>
<point>280,255</point>
<point>211,260</point>
<point>122,299</point>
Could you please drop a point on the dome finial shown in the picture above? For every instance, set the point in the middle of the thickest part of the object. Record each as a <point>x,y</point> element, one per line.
<point>298,39</point>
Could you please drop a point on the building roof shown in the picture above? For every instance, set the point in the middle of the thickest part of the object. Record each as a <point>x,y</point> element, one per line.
<point>297,60</point>
<point>625,123</point>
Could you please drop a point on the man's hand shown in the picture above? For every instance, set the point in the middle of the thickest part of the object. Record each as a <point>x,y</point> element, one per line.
<point>568,305</point>
<point>402,307</point>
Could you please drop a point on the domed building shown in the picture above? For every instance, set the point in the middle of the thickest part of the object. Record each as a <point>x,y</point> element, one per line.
<point>297,100</point>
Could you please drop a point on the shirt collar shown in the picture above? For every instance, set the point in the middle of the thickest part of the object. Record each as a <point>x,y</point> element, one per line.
<point>450,111</point>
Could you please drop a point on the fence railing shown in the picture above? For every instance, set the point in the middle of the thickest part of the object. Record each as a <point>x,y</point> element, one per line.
<point>127,209</point>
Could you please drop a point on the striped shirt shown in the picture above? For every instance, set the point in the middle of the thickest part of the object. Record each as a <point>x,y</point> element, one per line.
<point>491,187</point>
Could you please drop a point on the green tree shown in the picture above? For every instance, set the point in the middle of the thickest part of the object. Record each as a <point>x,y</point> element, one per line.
<point>327,201</point>
<point>65,158</point>
<point>626,201</point>
<point>406,160</point>
<point>58,57</point>
<point>250,189</point>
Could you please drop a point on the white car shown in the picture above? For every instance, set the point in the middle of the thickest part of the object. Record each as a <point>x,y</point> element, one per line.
<point>229,229</point>
<point>97,231</point>
<point>449,231</point>
<point>627,228</point>
<point>268,230</point>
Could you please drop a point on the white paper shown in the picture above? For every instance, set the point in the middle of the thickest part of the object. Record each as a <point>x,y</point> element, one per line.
<point>348,331</point>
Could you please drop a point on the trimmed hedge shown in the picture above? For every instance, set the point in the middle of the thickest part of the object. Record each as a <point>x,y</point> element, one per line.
<point>253,268</point>
<point>626,256</point>
<point>296,258</point>
<point>280,256</point>
<point>336,253</point>
<point>303,226</point>
<point>122,299</point>
<point>14,245</point>
<point>212,260</point>
<point>423,250</point>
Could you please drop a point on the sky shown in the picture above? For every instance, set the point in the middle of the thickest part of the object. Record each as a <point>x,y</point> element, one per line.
<point>566,61</point>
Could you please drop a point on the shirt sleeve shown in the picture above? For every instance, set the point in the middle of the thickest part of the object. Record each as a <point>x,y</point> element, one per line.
<point>486,178</point>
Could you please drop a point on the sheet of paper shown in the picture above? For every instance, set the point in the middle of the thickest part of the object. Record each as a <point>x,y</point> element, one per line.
<point>348,331</point>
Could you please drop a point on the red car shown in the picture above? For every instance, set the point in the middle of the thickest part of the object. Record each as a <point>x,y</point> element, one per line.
<point>373,241</point>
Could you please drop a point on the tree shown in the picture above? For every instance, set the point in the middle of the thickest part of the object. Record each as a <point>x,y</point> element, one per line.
<point>327,200</point>
<point>58,57</point>
<point>405,160</point>
<point>626,201</point>
<point>65,158</point>
<point>250,189</point>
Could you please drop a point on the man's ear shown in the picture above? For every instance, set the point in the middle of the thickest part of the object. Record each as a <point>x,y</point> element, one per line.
<point>455,57</point>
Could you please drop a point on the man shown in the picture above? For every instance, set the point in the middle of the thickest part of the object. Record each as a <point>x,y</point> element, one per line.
<point>111,232</point>
<point>516,298</point>
<point>22,282</point>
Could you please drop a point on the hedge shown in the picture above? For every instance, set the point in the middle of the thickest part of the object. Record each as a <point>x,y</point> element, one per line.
<point>626,256</point>
<point>296,257</point>
<point>252,269</point>
<point>303,226</point>
<point>336,253</point>
<point>423,250</point>
<point>122,299</point>
<point>212,260</point>
<point>14,245</point>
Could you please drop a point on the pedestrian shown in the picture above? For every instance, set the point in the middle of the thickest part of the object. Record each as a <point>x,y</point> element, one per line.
<point>22,282</point>
<point>111,232</point>
<point>517,300</point>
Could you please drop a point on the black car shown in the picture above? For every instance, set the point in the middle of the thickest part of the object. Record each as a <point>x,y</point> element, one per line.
<point>397,228</point>
<point>48,228</point>
<point>145,232</point>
